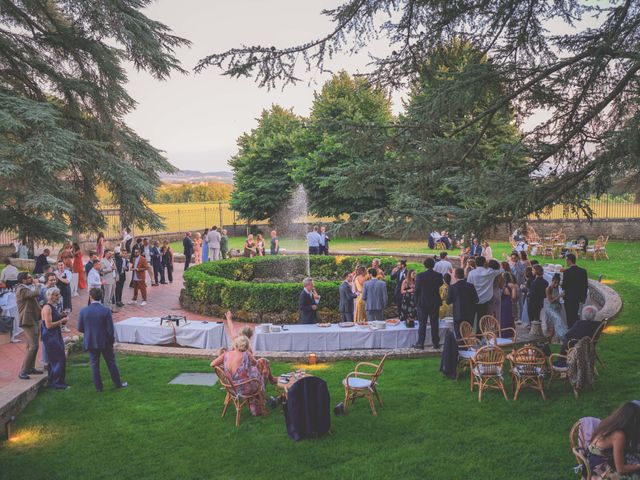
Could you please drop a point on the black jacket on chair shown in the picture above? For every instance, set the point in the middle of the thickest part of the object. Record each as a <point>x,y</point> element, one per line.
<point>307,412</point>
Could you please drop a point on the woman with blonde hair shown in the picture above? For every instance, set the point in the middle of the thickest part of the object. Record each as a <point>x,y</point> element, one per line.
<point>250,247</point>
<point>359,313</point>
<point>197,248</point>
<point>240,366</point>
<point>260,245</point>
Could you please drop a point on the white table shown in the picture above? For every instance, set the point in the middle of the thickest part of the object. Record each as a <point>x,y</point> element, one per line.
<point>311,338</point>
<point>10,309</point>
<point>148,331</point>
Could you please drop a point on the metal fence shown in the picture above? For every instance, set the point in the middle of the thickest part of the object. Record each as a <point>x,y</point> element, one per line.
<point>607,207</point>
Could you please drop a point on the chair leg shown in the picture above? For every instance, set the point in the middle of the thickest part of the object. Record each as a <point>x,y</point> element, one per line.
<point>372,404</point>
<point>599,359</point>
<point>238,411</point>
<point>517,390</point>
<point>541,385</point>
<point>346,400</point>
<point>504,392</point>
<point>226,405</point>
<point>378,396</point>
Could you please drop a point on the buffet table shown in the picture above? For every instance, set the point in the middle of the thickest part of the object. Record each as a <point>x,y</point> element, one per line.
<point>148,331</point>
<point>9,308</point>
<point>312,338</point>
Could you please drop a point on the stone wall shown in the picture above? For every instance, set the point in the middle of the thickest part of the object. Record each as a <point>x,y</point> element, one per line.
<point>619,229</point>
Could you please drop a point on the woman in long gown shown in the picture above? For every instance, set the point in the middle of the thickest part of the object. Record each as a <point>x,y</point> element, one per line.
<point>78,267</point>
<point>52,320</point>
<point>496,299</point>
<point>100,241</point>
<point>197,249</point>
<point>525,292</point>
<point>239,365</point>
<point>359,314</point>
<point>506,305</point>
<point>408,312</point>
<point>205,246</point>
<point>553,309</point>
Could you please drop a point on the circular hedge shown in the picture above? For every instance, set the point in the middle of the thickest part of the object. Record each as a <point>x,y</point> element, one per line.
<point>247,286</point>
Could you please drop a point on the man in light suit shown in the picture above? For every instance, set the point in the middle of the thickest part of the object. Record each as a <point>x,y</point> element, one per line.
<point>213,240</point>
<point>346,299</point>
<point>309,299</point>
<point>428,303</point>
<point>96,323</point>
<point>374,294</point>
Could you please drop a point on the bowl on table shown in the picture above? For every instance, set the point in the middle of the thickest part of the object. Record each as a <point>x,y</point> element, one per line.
<point>377,325</point>
<point>264,328</point>
<point>275,328</point>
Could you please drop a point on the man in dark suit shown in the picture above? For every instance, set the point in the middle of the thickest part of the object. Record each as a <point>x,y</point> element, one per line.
<point>187,245</point>
<point>464,298</point>
<point>428,303</point>
<point>308,303</point>
<point>537,294</point>
<point>575,285</point>
<point>96,323</point>
<point>399,274</point>
<point>476,248</point>
<point>346,299</point>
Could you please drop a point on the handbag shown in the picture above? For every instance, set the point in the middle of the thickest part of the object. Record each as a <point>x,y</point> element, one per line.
<point>6,323</point>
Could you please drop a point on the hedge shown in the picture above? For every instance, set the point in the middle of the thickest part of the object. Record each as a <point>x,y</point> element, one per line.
<point>234,284</point>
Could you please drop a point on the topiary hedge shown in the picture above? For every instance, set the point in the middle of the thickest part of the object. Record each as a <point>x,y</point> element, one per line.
<point>215,287</point>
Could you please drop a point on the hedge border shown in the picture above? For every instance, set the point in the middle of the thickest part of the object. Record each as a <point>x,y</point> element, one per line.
<point>215,287</point>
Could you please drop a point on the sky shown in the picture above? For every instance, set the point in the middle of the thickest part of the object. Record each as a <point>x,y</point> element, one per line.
<point>196,118</point>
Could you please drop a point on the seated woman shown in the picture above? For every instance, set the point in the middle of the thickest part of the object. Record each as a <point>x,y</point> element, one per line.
<point>262,363</point>
<point>239,365</point>
<point>52,321</point>
<point>614,444</point>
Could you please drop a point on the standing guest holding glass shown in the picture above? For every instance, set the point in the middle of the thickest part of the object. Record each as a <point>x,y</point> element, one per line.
<point>52,323</point>
<point>575,284</point>
<point>205,246</point>
<point>308,303</point>
<point>96,323</point>
<point>275,243</point>
<point>27,293</point>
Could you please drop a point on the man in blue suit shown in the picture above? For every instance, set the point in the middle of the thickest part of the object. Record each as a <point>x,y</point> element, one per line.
<point>374,295</point>
<point>308,303</point>
<point>96,323</point>
<point>428,303</point>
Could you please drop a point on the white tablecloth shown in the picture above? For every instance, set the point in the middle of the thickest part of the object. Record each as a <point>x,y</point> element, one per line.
<point>311,338</point>
<point>10,309</point>
<point>148,331</point>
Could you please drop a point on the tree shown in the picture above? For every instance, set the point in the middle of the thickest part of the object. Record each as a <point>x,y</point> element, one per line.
<point>585,78</point>
<point>343,174</point>
<point>261,168</point>
<point>62,105</point>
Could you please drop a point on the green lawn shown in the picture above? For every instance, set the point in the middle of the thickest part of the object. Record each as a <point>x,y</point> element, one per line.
<point>429,427</point>
<point>356,244</point>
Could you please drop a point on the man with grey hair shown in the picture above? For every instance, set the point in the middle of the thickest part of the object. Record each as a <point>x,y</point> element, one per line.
<point>309,299</point>
<point>585,327</point>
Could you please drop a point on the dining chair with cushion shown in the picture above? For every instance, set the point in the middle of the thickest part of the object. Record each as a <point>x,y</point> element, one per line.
<point>487,367</point>
<point>361,383</point>
<point>490,324</point>
<point>468,344</point>
<point>528,369</point>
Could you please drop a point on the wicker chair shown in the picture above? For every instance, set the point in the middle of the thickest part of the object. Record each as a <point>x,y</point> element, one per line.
<point>594,339</point>
<point>601,250</point>
<point>487,367</point>
<point>489,324</point>
<point>234,396</point>
<point>468,343</point>
<point>355,386</point>
<point>527,369</point>
<point>579,441</point>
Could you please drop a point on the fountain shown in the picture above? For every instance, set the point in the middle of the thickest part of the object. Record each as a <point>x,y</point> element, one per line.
<point>291,221</point>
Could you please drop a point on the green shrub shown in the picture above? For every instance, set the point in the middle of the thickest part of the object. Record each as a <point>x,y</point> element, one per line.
<point>232,284</point>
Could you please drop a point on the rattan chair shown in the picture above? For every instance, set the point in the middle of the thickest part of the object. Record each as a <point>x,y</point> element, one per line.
<point>489,324</point>
<point>527,369</point>
<point>234,395</point>
<point>595,338</point>
<point>579,443</point>
<point>468,343</point>
<point>487,367</point>
<point>355,386</point>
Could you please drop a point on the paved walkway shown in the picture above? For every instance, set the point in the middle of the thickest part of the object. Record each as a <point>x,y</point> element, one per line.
<point>162,300</point>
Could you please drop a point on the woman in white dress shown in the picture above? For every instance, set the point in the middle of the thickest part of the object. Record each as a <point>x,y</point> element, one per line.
<point>556,324</point>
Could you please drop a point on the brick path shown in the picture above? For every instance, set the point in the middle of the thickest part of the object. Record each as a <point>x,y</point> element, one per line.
<point>161,300</point>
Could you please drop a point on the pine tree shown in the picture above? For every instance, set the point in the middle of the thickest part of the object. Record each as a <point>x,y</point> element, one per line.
<point>62,105</point>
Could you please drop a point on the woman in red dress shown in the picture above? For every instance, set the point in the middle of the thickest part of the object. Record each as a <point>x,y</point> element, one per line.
<point>78,267</point>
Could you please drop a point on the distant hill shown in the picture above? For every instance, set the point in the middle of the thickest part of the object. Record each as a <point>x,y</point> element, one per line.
<point>195,176</point>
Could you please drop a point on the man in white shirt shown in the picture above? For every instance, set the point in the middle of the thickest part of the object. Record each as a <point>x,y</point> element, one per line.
<point>482,278</point>
<point>444,265</point>
<point>213,240</point>
<point>107,269</point>
<point>433,238</point>
<point>313,241</point>
<point>94,280</point>
<point>9,275</point>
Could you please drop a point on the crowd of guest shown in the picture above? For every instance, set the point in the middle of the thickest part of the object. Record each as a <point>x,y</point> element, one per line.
<point>210,245</point>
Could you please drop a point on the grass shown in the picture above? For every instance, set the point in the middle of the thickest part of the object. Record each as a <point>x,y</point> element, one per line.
<point>356,244</point>
<point>429,427</point>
